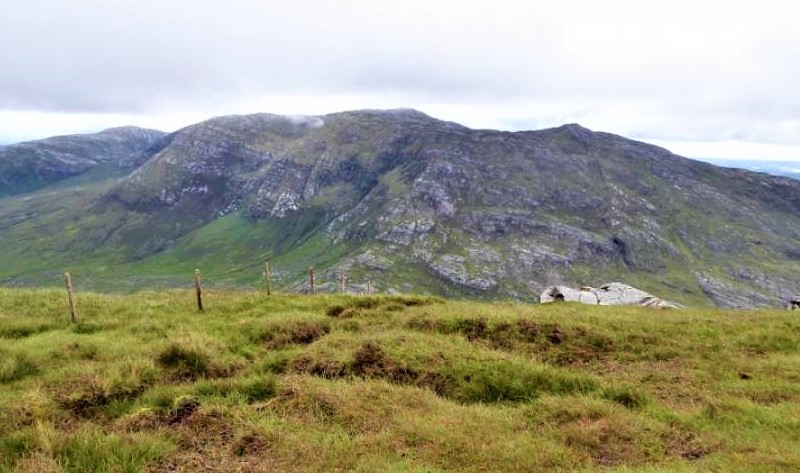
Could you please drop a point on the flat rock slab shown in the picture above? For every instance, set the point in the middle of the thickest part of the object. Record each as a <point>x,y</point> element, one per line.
<point>614,293</point>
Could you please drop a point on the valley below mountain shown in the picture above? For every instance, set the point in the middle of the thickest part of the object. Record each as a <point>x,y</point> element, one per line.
<point>398,199</point>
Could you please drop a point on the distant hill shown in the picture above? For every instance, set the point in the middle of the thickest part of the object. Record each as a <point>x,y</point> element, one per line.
<point>34,164</point>
<point>414,204</point>
<point>778,168</point>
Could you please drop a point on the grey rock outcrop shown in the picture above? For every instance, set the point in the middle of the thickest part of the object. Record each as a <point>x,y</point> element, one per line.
<point>614,293</point>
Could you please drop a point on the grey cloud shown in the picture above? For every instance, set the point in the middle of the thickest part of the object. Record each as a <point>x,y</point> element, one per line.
<point>89,57</point>
<point>151,56</point>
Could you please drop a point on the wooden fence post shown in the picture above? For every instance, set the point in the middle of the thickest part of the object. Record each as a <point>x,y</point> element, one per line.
<point>342,279</point>
<point>369,288</point>
<point>311,279</point>
<point>73,316</point>
<point>267,274</point>
<point>198,289</point>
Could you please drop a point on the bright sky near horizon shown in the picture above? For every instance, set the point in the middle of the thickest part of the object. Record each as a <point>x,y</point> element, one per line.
<point>703,78</point>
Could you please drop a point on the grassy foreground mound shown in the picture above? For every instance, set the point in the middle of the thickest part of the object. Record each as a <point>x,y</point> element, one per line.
<point>388,383</point>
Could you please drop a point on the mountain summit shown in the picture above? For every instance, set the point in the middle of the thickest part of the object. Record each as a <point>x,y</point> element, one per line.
<point>412,203</point>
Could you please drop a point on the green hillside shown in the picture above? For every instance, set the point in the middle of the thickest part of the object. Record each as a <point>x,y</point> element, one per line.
<point>42,236</point>
<point>143,382</point>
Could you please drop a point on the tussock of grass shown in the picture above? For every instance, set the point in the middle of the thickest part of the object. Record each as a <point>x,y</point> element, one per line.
<point>183,363</point>
<point>551,341</point>
<point>93,451</point>
<point>299,330</point>
<point>371,305</point>
<point>251,389</point>
<point>16,329</point>
<point>15,366</point>
<point>104,394</point>
<point>450,367</point>
<point>316,383</point>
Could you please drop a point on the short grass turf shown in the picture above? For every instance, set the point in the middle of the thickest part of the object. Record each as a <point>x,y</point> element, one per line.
<point>146,383</point>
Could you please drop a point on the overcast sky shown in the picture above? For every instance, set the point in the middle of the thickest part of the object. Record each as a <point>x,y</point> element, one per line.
<point>705,78</point>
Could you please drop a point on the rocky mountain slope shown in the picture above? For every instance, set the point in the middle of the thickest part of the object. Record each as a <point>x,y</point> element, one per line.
<point>412,203</point>
<point>35,164</point>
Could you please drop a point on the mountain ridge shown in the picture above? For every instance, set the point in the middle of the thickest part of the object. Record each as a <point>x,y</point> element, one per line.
<point>413,203</point>
<point>31,165</point>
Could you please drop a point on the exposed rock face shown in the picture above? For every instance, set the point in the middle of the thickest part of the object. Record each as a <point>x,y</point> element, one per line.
<point>725,294</point>
<point>614,293</point>
<point>34,164</point>
<point>413,203</point>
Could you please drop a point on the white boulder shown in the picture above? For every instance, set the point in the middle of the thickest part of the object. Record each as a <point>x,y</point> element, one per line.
<point>614,293</point>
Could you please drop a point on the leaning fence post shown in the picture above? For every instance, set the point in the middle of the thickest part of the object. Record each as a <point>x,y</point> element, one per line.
<point>73,316</point>
<point>267,274</point>
<point>311,279</point>
<point>198,289</point>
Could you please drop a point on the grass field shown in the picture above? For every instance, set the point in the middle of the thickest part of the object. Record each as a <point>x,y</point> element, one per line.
<point>143,382</point>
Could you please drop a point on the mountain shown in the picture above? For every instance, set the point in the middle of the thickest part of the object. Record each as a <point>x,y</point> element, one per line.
<point>412,203</point>
<point>35,164</point>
